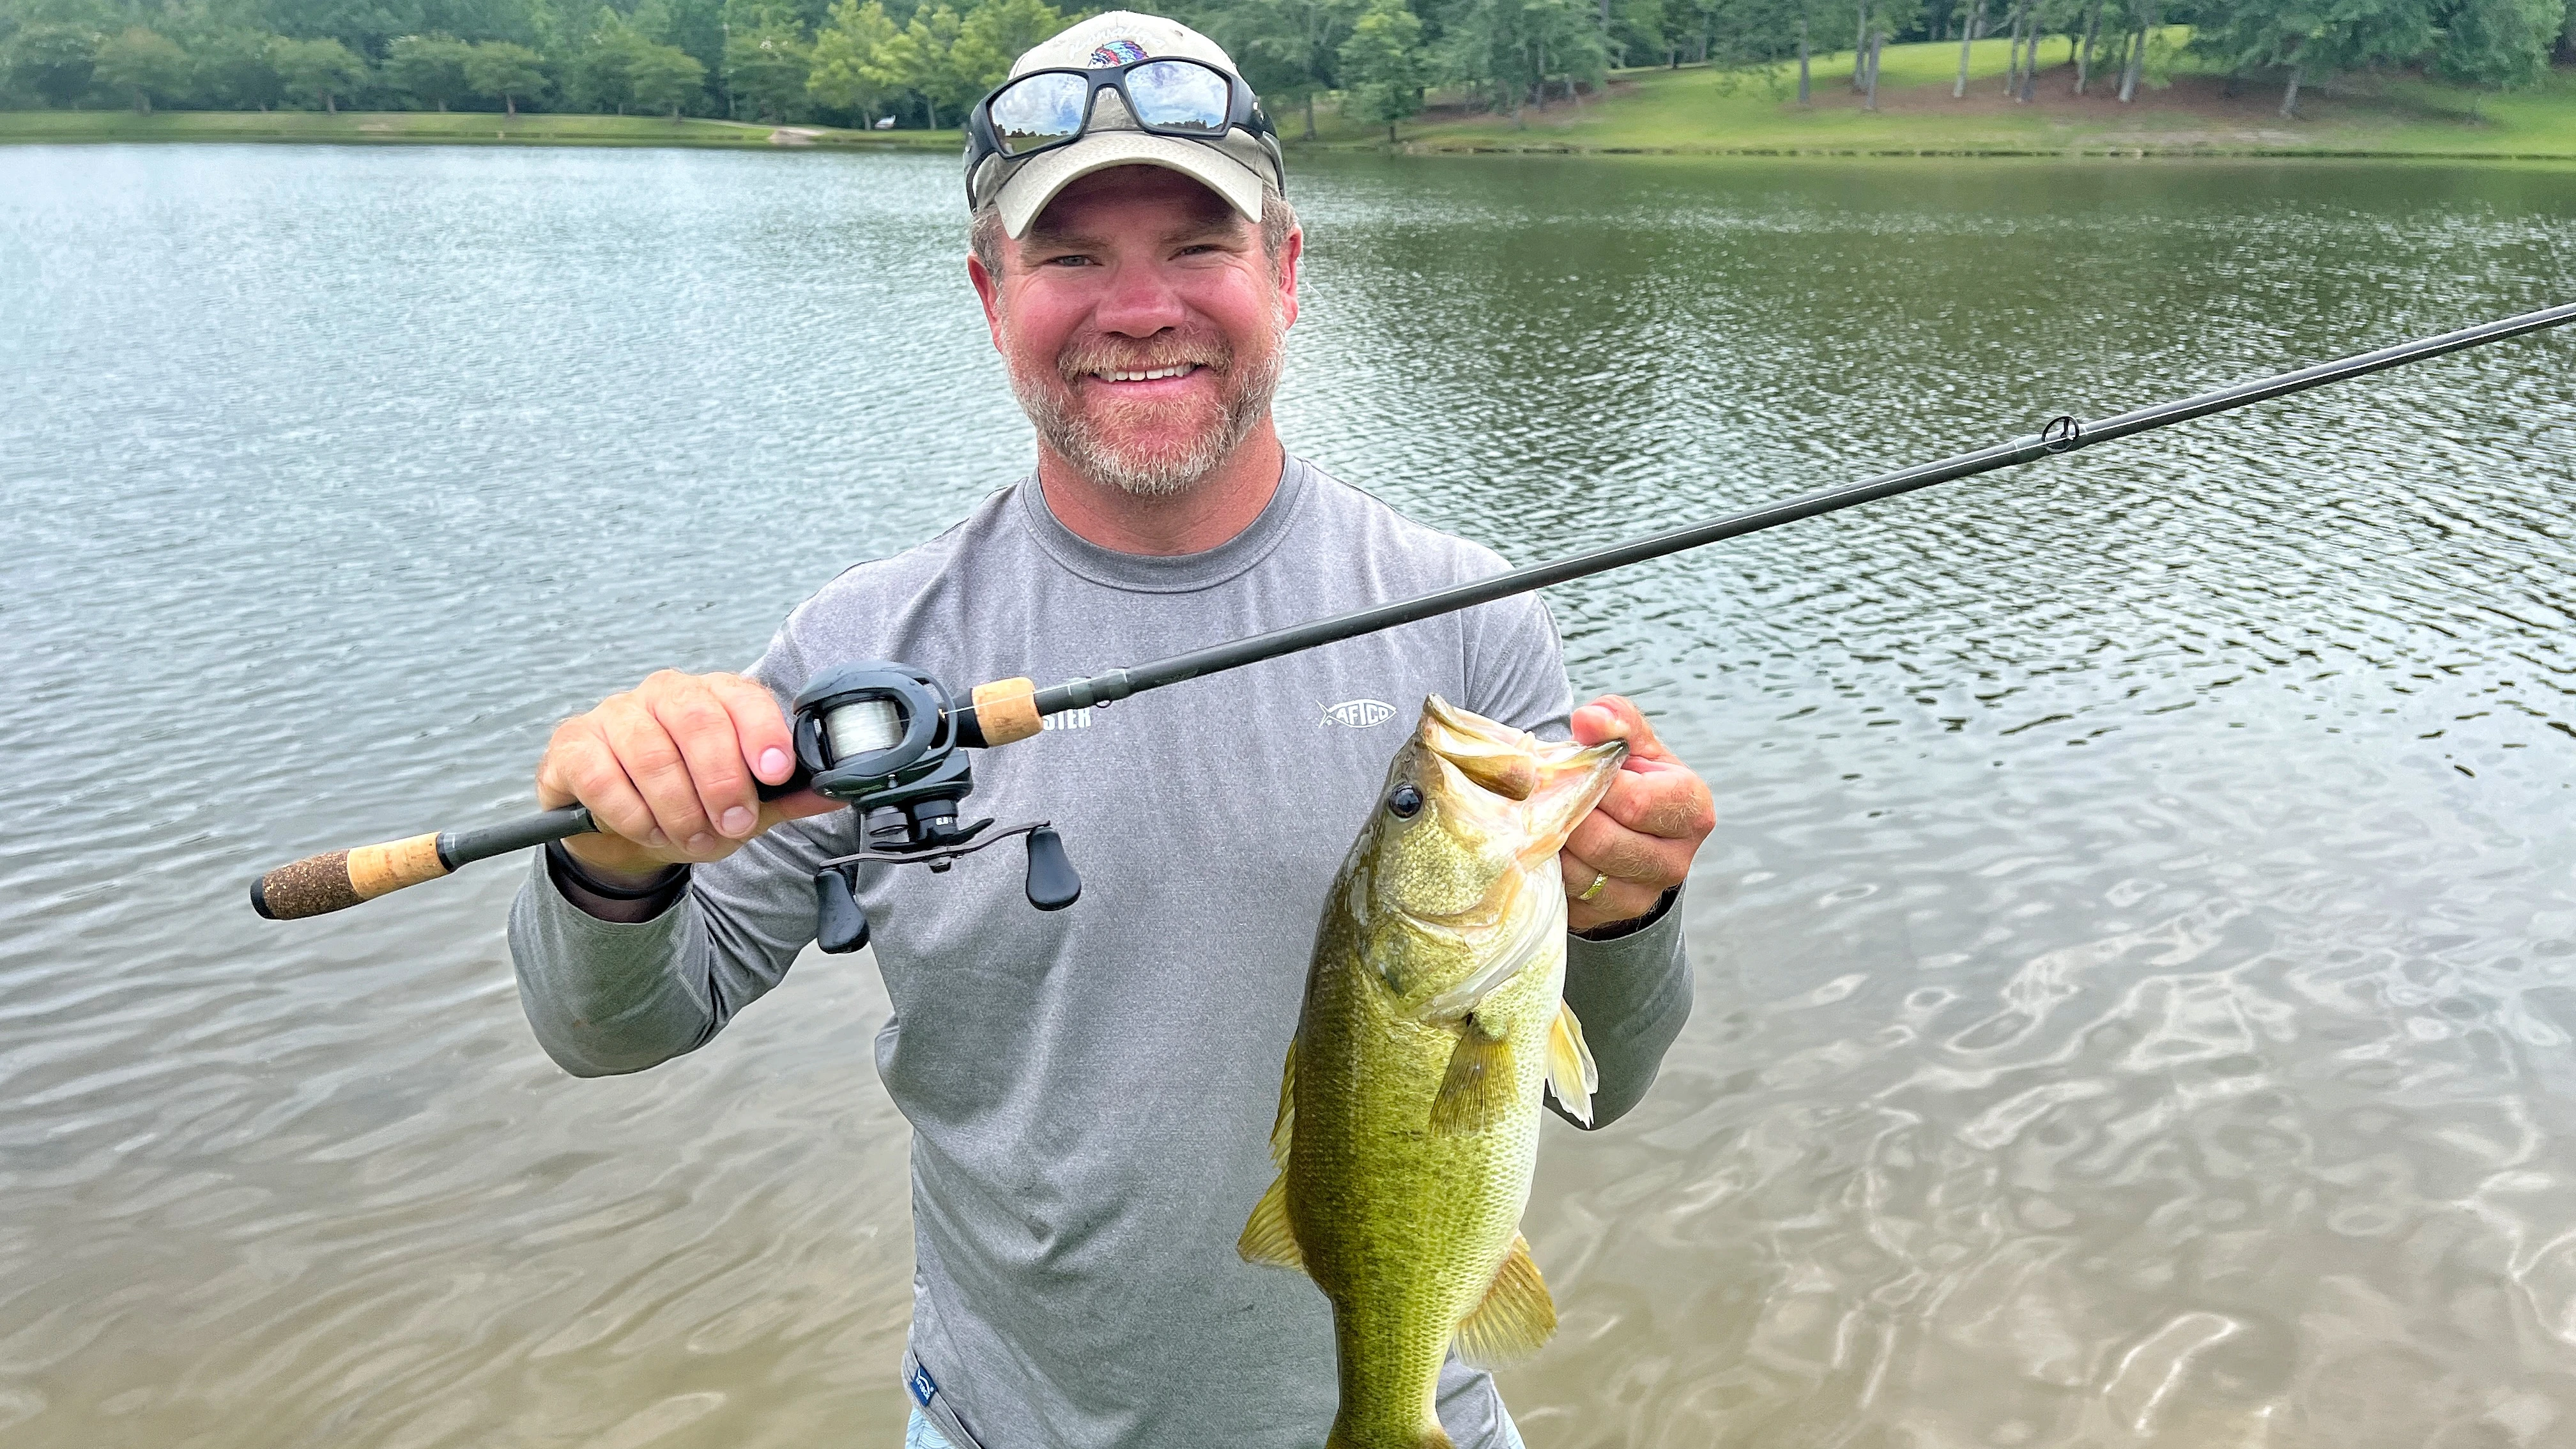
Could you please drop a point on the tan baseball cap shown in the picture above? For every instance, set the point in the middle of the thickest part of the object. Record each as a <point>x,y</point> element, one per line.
<point>1241,167</point>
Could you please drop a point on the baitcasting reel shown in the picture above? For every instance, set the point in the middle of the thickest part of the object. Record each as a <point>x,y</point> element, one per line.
<point>884,738</point>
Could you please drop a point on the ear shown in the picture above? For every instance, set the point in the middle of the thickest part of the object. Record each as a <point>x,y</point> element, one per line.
<point>1291,252</point>
<point>988,290</point>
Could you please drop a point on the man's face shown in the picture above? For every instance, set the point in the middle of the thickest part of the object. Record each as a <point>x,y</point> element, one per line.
<point>1142,324</point>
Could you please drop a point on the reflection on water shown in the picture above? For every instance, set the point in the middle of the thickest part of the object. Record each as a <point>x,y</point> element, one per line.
<point>2137,968</point>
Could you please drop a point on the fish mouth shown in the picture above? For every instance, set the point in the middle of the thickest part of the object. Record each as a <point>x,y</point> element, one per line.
<point>1537,791</point>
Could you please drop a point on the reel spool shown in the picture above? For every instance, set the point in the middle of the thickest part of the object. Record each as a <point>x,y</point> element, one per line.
<point>884,738</point>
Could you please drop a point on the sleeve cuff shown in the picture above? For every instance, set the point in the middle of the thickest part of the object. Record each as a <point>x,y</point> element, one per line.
<point>610,903</point>
<point>1619,930</point>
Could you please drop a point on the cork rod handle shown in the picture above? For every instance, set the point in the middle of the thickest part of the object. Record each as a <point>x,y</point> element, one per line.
<point>320,884</point>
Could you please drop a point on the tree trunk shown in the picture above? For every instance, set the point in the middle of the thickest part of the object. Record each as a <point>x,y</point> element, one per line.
<point>2012,66</point>
<point>2137,63</point>
<point>2084,53</point>
<point>1967,39</point>
<point>2290,98</point>
<point>510,106</point>
<point>1860,44</point>
<point>1876,44</point>
<point>2030,71</point>
<point>1805,96</point>
<point>1390,133</point>
<point>442,105</point>
<point>330,105</point>
<point>1310,115</point>
<point>142,104</point>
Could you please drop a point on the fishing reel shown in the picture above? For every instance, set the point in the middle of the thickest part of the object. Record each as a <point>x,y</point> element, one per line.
<point>886,739</point>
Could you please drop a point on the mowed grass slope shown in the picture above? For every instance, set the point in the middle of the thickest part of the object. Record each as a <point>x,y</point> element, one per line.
<point>1702,110</point>
<point>447,128</point>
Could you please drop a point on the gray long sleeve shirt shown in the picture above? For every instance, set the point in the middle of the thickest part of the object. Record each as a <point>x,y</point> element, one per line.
<point>1091,1091</point>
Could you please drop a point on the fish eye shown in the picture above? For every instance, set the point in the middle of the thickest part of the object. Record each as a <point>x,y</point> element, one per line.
<point>1405,802</point>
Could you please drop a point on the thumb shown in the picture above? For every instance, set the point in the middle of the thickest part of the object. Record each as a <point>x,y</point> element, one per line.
<point>1615,717</point>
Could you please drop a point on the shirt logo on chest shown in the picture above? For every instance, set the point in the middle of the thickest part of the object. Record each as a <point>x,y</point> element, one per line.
<point>1359,714</point>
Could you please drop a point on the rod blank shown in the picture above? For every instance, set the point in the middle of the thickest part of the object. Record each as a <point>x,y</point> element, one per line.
<point>2063,436</point>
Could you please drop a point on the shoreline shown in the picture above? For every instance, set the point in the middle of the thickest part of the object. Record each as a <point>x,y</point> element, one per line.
<point>402,128</point>
<point>445,128</point>
<point>1687,111</point>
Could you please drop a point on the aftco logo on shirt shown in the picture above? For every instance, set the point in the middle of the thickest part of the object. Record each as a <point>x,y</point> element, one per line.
<point>1359,714</point>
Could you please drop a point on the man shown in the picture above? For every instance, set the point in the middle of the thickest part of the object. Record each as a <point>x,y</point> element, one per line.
<point>1091,1091</point>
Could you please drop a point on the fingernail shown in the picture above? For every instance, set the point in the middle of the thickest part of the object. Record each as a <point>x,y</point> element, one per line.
<point>773,764</point>
<point>657,839</point>
<point>737,821</point>
<point>701,843</point>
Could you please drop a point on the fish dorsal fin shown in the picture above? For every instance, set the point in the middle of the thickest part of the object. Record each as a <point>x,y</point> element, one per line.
<point>1267,1239</point>
<point>1284,1130</point>
<point>1570,1071</point>
<point>1516,1317</point>
<point>1476,1092</point>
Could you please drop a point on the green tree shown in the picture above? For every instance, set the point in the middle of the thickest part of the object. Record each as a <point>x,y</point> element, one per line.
<point>1290,50</point>
<point>142,64</point>
<point>1384,66</point>
<point>846,72</point>
<point>323,69</point>
<point>1507,50</point>
<point>55,59</point>
<point>233,69</point>
<point>919,61</point>
<point>429,68</point>
<point>2499,44</point>
<point>766,63</point>
<point>993,35</point>
<point>504,72</point>
<point>665,78</point>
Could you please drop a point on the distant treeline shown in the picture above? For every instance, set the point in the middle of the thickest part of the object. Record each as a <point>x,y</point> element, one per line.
<point>921,62</point>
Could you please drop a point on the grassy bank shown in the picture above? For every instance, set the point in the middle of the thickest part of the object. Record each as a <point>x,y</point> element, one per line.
<point>1688,111</point>
<point>1713,112</point>
<point>444,128</point>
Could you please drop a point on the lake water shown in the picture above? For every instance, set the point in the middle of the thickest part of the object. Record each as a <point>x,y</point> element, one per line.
<point>2137,967</point>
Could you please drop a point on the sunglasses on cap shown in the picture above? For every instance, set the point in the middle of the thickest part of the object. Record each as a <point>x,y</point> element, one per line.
<point>1168,96</point>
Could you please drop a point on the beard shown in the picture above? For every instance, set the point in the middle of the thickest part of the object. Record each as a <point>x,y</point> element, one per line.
<point>1150,449</point>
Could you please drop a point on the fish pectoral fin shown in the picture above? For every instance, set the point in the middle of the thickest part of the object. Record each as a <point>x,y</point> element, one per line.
<point>1267,1239</point>
<point>1284,1130</point>
<point>1476,1091</point>
<point>1571,1073</point>
<point>1516,1317</point>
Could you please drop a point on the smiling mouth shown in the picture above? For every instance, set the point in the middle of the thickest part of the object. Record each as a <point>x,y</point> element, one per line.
<point>1146,374</point>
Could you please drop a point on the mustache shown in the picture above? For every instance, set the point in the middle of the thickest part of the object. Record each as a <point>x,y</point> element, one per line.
<point>1099,354</point>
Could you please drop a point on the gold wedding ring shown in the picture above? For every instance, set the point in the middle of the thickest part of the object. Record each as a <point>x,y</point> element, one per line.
<point>1599,880</point>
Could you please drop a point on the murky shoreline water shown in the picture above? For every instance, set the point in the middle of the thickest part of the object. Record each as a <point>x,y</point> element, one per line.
<point>2137,969</point>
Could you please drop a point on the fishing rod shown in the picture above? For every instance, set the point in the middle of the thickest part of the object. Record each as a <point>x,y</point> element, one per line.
<point>890,741</point>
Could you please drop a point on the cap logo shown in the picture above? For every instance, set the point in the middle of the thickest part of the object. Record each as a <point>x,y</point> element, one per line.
<point>1117,52</point>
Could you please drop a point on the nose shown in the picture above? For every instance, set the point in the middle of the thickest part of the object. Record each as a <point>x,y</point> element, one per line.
<point>1141,300</point>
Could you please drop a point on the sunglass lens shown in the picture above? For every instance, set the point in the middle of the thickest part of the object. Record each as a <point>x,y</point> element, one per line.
<point>1179,95</point>
<point>1043,108</point>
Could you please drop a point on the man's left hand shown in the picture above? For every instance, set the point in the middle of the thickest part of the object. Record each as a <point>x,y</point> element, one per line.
<point>1641,837</point>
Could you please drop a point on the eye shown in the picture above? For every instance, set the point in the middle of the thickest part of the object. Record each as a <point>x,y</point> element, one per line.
<point>1405,802</point>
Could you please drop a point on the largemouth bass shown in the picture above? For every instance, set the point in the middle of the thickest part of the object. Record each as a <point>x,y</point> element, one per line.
<point>1409,1107</point>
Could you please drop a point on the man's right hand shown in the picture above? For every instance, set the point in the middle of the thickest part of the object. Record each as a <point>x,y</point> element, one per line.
<point>668,770</point>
